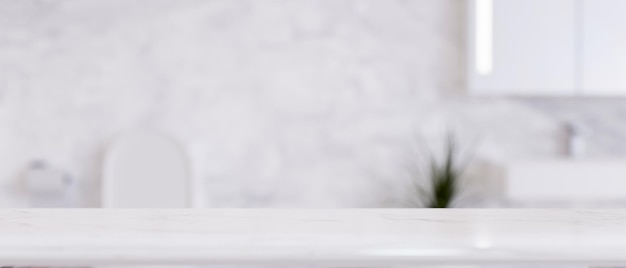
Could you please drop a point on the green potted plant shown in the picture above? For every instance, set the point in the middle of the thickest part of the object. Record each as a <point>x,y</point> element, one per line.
<point>443,187</point>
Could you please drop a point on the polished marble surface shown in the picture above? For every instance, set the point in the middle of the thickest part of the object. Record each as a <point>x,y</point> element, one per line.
<point>369,237</point>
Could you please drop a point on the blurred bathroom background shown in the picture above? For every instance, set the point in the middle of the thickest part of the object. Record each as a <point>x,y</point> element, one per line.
<point>287,103</point>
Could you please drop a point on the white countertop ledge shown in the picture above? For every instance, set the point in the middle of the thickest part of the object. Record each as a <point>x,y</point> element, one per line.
<point>359,237</point>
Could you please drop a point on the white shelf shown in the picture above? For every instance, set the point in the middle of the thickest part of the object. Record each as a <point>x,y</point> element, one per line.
<point>329,237</point>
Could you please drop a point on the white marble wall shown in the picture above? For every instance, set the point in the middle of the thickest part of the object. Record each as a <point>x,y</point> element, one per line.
<point>305,103</point>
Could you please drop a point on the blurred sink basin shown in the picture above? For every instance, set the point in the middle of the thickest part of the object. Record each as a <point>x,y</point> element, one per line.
<point>566,179</point>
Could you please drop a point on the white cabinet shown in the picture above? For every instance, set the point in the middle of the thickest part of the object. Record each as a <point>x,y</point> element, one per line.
<point>603,47</point>
<point>547,47</point>
<point>532,44</point>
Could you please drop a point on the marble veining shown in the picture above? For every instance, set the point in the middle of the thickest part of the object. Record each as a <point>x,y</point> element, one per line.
<point>361,237</point>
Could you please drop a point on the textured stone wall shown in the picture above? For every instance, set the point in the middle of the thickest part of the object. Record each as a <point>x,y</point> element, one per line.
<point>305,103</point>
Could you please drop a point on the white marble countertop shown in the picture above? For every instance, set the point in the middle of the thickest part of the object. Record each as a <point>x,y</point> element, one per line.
<point>364,237</point>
